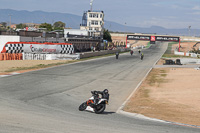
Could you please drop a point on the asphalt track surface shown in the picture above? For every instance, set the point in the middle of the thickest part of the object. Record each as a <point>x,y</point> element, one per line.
<point>46,101</point>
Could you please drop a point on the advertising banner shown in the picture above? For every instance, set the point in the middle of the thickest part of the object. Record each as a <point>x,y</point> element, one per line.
<point>153,38</point>
<point>167,38</point>
<point>138,37</point>
<point>34,47</point>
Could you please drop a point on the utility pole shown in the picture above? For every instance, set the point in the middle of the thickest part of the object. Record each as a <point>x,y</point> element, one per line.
<point>10,20</point>
<point>189,27</point>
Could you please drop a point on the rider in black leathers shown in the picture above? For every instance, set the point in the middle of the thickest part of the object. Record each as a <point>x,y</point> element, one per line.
<point>103,93</point>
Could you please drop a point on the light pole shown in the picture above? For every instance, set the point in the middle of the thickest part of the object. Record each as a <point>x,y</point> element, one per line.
<point>189,27</point>
<point>91,3</point>
<point>125,32</point>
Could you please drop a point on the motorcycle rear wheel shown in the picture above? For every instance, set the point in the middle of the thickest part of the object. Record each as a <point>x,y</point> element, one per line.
<point>99,108</point>
<point>83,106</point>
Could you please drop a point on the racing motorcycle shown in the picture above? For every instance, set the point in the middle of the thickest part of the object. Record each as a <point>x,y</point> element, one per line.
<point>95,103</point>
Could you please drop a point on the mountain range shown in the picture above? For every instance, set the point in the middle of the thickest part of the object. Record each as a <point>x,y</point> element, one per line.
<point>74,21</point>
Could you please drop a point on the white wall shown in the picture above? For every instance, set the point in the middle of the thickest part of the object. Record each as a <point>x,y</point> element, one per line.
<point>4,39</point>
<point>75,32</point>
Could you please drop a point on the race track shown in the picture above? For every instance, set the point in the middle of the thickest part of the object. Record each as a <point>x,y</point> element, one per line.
<point>46,101</point>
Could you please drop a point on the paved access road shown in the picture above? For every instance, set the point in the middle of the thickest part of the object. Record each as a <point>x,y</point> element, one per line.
<point>47,101</point>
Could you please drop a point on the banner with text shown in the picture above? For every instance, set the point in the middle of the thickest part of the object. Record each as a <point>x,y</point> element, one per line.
<point>34,47</point>
<point>153,38</point>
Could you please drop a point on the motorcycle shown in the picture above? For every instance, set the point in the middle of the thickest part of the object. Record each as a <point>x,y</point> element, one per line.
<point>95,103</point>
<point>131,52</point>
<point>142,56</point>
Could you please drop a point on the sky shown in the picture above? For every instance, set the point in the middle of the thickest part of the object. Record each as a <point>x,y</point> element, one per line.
<point>170,14</point>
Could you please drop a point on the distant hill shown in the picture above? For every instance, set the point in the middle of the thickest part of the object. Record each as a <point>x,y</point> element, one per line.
<point>71,20</point>
<point>74,21</point>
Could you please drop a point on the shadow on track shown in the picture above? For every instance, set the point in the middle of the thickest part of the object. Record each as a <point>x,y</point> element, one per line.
<point>107,113</point>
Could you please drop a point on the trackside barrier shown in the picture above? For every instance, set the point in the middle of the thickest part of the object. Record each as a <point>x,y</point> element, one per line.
<point>9,56</point>
<point>34,56</point>
<point>99,53</point>
<point>1,57</point>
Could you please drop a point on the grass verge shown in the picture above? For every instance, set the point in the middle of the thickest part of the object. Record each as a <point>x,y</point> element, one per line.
<point>148,45</point>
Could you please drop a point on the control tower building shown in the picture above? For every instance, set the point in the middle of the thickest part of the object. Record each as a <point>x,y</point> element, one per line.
<point>93,22</point>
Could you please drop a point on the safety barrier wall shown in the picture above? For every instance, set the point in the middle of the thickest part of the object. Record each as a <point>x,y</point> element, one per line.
<point>9,56</point>
<point>187,54</point>
<point>34,56</point>
<point>99,53</point>
<point>31,56</point>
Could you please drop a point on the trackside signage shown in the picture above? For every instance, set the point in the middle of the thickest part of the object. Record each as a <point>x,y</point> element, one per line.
<point>153,38</point>
<point>34,47</point>
<point>31,48</point>
<point>165,38</point>
<point>138,37</point>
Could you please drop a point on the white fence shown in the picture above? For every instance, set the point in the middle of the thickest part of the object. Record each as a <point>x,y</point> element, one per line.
<point>186,54</point>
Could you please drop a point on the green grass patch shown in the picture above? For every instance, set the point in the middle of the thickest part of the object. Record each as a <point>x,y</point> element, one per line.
<point>163,75</point>
<point>169,48</point>
<point>174,56</point>
<point>162,71</point>
<point>156,77</point>
<point>146,93</point>
<point>169,53</point>
<point>148,45</point>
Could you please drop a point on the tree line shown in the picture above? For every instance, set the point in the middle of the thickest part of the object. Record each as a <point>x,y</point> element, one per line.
<point>56,26</point>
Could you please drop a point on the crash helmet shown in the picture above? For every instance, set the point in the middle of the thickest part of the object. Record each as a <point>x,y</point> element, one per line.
<point>95,93</point>
<point>105,91</point>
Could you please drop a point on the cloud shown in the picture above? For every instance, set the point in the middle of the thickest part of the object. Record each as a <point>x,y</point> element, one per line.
<point>195,13</point>
<point>196,8</point>
<point>175,6</point>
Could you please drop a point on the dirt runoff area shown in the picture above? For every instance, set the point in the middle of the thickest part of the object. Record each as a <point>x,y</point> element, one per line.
<point>26,65</point>
<point>170,94</point>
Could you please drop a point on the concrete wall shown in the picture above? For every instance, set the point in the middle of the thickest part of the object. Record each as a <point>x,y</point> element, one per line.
<point>4,39</point>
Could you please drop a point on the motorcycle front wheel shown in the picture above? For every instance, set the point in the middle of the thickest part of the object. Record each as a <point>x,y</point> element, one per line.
<point>83,106</point>
<point>99,108</point>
